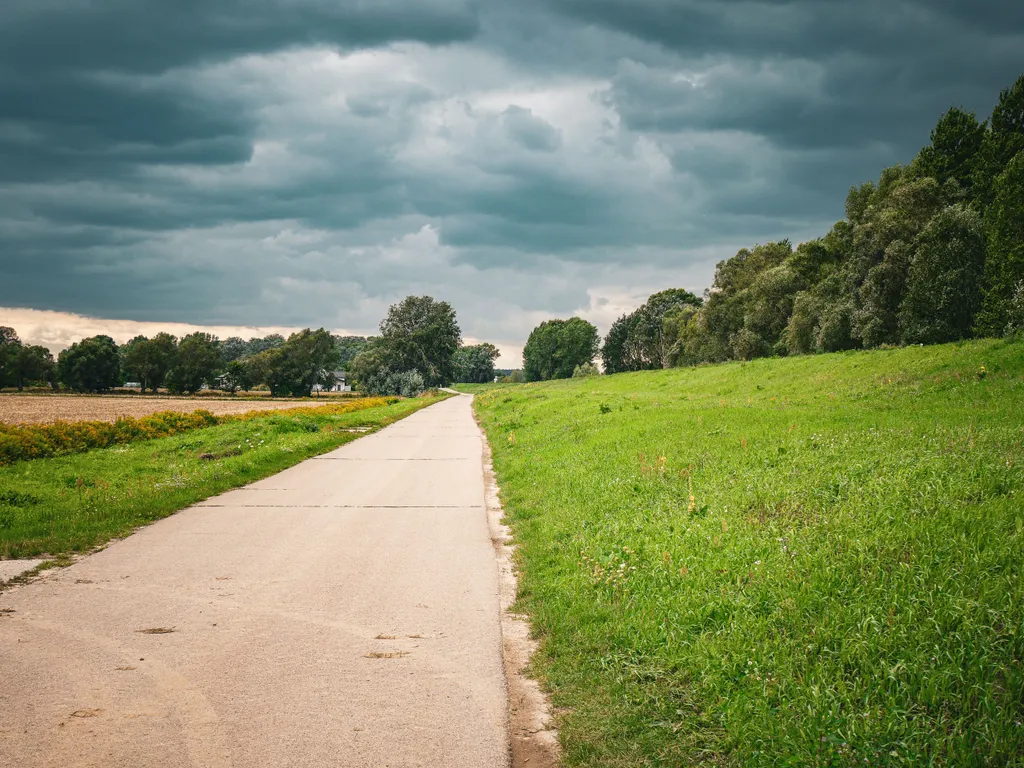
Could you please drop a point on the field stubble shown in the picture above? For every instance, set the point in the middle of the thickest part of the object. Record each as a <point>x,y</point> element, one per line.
<point>41,409</point>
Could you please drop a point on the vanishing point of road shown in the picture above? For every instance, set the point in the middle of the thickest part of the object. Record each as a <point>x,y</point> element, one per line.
<point>344,612</point>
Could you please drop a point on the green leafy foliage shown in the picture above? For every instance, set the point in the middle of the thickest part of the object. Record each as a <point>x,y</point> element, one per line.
<point>90,365</point>
<point>474,364</point>
<point>1004,268</point>
<point>929,253</point>
<point>419,334</point>
<point>648,337</point>
<point>150,360</point>
<point>556,347</point>
<point>195,363</point>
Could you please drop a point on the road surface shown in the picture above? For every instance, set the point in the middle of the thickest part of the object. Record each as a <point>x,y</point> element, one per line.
<point>341,613</point>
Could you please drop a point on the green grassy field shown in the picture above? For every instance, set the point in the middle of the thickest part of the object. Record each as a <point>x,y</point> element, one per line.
<point>814,561</point>
<point>74,503</point>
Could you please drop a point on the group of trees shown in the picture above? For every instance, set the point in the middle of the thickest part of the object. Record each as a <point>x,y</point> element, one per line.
<point>649,337</point>
<point>933,252</point>
<point>292,366</point>
<point>419,346</point>
<point>21,364</point>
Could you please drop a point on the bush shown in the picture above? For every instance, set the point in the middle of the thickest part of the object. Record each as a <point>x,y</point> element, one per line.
<point>403,384</point>
<point>585,371</point>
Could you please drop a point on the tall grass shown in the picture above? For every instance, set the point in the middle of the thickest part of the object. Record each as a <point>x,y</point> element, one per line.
<point>803,562</point>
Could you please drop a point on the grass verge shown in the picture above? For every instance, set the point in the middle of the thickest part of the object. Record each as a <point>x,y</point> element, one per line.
<point>54,506</point>
<point>812,561</point>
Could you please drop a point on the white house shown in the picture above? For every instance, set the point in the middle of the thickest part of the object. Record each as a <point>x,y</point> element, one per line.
<point>340,383</point>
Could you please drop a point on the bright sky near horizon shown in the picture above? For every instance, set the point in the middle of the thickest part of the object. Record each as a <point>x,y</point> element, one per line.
<point>252,167</point>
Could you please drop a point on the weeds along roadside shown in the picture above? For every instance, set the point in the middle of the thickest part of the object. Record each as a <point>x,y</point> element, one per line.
<point>808,562</point>
<point>22,442</point>
<point>68,504</point>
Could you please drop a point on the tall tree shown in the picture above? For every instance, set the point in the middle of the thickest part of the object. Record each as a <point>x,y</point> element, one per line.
<point>954,148</point>
<point>33,364</point>
<point>308,358</point>
<point>944,282</point>
<point>9,346</point>
<point>556,347</point>
<point>348,347</point>
<point>150,360</point>
<point>233,348</point>
<point>1003,141</point>
<point>196,363</point>
<point>1004,267</point>
<point>421,334</point>
<point>474,364</point>
<point>613,351</point>
<point>90,365</point>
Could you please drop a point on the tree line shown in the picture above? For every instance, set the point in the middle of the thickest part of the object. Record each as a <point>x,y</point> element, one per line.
<point>420,346</point>
<point>292,366</point>
<point>932,252</point>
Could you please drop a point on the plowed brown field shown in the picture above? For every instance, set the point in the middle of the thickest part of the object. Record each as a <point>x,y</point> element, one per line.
<point>35,409</point>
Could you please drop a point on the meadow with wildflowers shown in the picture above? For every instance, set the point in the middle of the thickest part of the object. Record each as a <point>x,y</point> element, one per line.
<point>55,506</point>
<point>811,561</point>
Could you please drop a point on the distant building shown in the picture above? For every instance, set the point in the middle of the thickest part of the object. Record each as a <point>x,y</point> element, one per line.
<point>340,383</point>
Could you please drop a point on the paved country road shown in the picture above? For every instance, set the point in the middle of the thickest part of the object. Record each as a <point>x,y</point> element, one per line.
<point>341,613</point>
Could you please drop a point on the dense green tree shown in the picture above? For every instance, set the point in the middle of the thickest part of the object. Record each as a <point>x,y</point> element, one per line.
<point>677,325</point>
<point>233,348</point>
<point>348,347</point>
<point>9,346</point>
<point>150,360</point>
<point>1003,141</point>
<point>418,334</point>
<point>309,358</point>
<point>954,149</point>
<point>238,374</point>
<point>32,364</point>
<point>1004,267</point>
<point>371,360</point>
<point>474,364</point>
<point>613,351</point>
<point>90,365</point>
<point>944,282</point>
<point>196,363</point>
<point>266,368</point>
<point>643,340</point>
<point>257,345</point>
<point>556,347</point>
<point>649,346</point>
<point>422,334</point>
<point>768,307</point>
<point>306,360</point>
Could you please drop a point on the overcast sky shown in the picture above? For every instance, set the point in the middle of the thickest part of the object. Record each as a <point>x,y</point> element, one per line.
<point>282,163</point>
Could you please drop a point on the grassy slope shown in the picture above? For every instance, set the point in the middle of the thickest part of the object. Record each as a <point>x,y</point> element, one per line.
<point>809,561</point>
<point>74,503</point>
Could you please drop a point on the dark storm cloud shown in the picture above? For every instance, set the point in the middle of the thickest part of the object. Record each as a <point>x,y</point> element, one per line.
<point>294,161</point>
